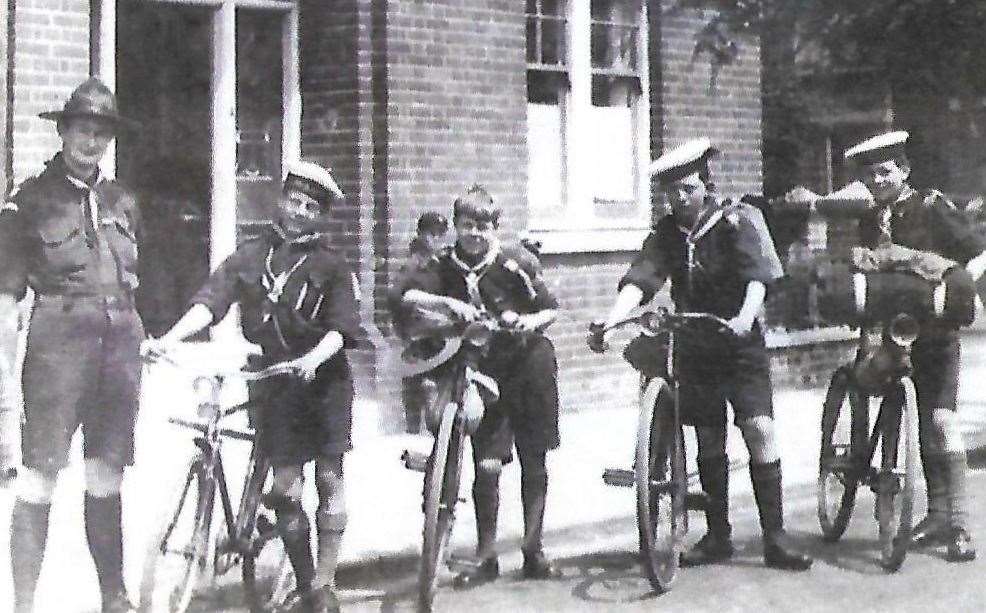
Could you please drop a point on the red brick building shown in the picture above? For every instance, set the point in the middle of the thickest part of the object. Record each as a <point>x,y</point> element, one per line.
<point>557,106</point>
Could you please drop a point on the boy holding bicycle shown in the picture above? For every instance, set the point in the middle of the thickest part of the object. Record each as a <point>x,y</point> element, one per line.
<point>298,301</point>
<point>926,221</point>
<point>720,259</point>
<point>478,275</point>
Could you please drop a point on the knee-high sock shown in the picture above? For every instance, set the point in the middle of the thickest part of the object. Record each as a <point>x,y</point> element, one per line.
<point>766,479</point>
<point>104,532</point>
<point>713,472</point>
<point>936,481</point>
<point>292,525</point>
<point>956,468</point>
<point>533,494</point>
<point>28,535</point>
<point>486,501</point>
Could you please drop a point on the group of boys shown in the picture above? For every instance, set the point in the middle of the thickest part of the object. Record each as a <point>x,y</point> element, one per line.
<point>71,234</point>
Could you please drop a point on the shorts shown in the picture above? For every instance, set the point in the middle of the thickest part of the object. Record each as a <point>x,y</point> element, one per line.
<point>935,358</point>
<point>526,415</point>
<point>82,369</point>
<point>297,422</point>
<point>707,384</point>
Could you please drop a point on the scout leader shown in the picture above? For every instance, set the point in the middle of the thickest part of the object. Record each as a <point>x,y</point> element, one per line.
<point>70,234</point>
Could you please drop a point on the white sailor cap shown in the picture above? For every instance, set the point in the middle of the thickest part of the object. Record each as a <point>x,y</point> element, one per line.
<point>689,157</point>
<point>312,179</point>
<point>879,148</point>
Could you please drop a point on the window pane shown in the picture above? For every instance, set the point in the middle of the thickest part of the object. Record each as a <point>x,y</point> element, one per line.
<point>258,113</point>
<point>613,154</point>
<point>545,161</point>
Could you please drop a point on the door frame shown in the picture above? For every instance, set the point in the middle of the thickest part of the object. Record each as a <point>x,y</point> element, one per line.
<point>223,217</point>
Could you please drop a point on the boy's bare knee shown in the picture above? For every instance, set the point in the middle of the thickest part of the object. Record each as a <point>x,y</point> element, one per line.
<point>103,479</point>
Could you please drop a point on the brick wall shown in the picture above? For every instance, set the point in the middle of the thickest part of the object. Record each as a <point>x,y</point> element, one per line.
<point>51,59</point>
<point>724,106</point>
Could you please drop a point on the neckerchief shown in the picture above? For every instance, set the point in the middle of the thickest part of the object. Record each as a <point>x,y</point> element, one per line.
<point>90,207</point>
<point>275,284</point>
<point>473,274</point>
<point>697,232</point>
<point>887,213</point>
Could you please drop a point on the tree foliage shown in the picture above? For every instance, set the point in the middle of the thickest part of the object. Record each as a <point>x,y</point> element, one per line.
<point>920,51</point>
<point>915,45</point>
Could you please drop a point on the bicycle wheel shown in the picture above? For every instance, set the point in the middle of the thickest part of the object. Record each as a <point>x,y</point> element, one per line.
<point>440,497</point>
<point>659,471</point>
<point>898,473</point>
<point>178,554</point>
<point>844,422</point>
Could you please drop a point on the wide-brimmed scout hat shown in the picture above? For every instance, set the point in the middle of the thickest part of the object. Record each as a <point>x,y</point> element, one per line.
<point>312,179</point>
<point>878,149</point>
<point>690,157</point>
<point>94,100</point>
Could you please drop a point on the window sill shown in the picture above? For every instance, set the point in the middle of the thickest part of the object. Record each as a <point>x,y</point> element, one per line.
<point>589,241</point>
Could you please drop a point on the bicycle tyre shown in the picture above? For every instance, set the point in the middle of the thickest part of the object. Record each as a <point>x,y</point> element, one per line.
<point>268,577</point>
<point>896,504</point>
<point>440,497</point>
<point>838,479</point>
<point>178,553</point>
<point>662,519</point>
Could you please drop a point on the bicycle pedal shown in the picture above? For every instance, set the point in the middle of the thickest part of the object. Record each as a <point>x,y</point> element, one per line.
<point>619,477</point>
<point>696,501</point>
<point>460,564</point>
<point>415,460</point>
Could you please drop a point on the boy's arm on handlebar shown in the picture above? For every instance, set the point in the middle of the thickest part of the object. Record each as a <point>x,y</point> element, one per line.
<point>307,364</point>
<point>197,318</point>
<point>425,299</point>
<point>627,300</point>
<point>538,320</point>
<point>753,300</point>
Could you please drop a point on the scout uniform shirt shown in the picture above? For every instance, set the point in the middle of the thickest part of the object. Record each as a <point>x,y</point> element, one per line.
<point>65,237</point>
<point>709,265</point>
<point>292,293</point>
<point>505,279</point>
<point>925,221</point>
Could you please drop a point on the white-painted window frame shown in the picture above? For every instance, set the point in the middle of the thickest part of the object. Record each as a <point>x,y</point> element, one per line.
<point>579,230</point>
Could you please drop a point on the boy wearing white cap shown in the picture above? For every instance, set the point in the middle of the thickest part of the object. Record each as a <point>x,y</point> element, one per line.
<point>298,302</point>
<point>928,222</point>
<point>720,259</point>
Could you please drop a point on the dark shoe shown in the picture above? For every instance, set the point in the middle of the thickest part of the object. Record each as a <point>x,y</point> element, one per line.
<point>930,531</point>
<point>311,600</point>
<point>330,599</point>
<point>536,566</point>
<point>118,603</point>
<point>777,553</point>
<point>710,549</point>
<point>960,547</point>
<point>486,571</point>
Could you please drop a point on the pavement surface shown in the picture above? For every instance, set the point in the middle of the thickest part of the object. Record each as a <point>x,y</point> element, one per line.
<point>590,527</point>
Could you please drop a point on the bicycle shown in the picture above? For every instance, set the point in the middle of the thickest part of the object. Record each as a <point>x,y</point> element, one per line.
<point>465,343</point>
<point>659,474</point>
<point>187,541</point>
<point>881,368</point>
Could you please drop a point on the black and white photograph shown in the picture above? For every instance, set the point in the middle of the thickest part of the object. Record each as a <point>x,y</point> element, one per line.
<point>321,306</point>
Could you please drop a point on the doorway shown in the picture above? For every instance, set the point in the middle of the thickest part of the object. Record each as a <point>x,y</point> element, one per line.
<point>215,88</point>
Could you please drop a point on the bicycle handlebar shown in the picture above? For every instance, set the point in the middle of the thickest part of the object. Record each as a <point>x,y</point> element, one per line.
<point>273,370</point>
<point>655,322</point>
